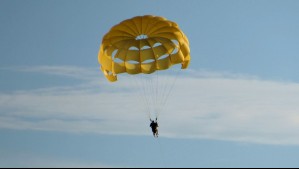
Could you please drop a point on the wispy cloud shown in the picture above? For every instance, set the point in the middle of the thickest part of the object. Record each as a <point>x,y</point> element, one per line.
<point>203,105</point>
<point>66,71</point>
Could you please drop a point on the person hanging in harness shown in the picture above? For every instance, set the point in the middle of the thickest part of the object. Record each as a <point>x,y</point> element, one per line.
<point>154,125</point>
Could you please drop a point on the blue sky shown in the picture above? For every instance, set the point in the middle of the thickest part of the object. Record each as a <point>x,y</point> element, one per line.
<point>236,105</point>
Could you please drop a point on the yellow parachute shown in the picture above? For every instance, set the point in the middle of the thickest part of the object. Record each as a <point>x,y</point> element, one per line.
<point>143,44</point>
<point>146,47</point>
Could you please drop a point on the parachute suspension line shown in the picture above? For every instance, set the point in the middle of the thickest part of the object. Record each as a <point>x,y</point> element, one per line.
<point>153,94</point>
<point>168,85</point>
<point>147,84</point>
<point>154,90</point>
<point>141,93</point>
<point>164,80</point>
<point>165,86</point>
<point>157,96</point>
<point>154,97</point>
<point>170,89</point>
<point>148,92</point>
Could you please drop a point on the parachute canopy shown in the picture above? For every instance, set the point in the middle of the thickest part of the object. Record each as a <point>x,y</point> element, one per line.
<point>143,44</point>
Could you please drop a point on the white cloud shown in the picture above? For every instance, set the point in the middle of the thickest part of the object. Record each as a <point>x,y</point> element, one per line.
<point>68,71</point>
<point>203,105</point>
<point>240,110</point>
